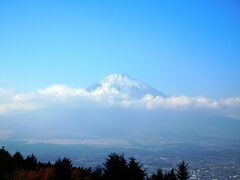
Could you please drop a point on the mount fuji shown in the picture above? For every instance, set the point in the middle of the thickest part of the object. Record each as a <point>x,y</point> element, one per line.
<point>124,84</point>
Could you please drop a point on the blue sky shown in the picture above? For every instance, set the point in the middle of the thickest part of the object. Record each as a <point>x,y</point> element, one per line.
<point>178,47</point>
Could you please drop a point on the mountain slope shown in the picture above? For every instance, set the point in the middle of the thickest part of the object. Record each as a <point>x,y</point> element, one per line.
<point>124,84</point>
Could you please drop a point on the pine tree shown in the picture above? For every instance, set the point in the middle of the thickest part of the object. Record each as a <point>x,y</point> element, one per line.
<point>135,170</point>
<point>182,171</point>
<point>115,167</point>
<point>17,160</point>
<point>63,169</point>
<point>5,163</point>
<point>30,163</point>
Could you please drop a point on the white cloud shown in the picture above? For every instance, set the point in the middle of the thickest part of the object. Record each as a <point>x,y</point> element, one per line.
<point>101,142</point>
<point>62,94</point>
<point>178,101</point>
<point>61,91</point>
<point>233,101</point>
<point>205,102</point>
<point>174,102</point>
<point>51,95</point>
<point>154,102</point>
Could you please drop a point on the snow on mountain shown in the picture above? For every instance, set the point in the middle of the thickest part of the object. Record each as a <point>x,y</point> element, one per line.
<point>124,85</point>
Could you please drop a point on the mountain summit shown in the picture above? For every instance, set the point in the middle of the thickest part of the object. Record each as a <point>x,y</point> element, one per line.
<point>126,85</point>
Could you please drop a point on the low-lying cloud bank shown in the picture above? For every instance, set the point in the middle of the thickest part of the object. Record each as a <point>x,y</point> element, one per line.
<point>54,95</point>
<point>99,142</point>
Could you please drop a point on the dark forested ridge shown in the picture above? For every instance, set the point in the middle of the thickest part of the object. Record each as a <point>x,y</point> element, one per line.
<point>115,167</point>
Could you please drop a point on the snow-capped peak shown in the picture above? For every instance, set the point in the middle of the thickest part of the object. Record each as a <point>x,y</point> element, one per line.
<point>124,84</point>
<point>120,81</point>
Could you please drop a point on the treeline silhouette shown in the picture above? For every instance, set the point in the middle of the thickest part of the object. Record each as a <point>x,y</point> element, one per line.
<point>115,167</point>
